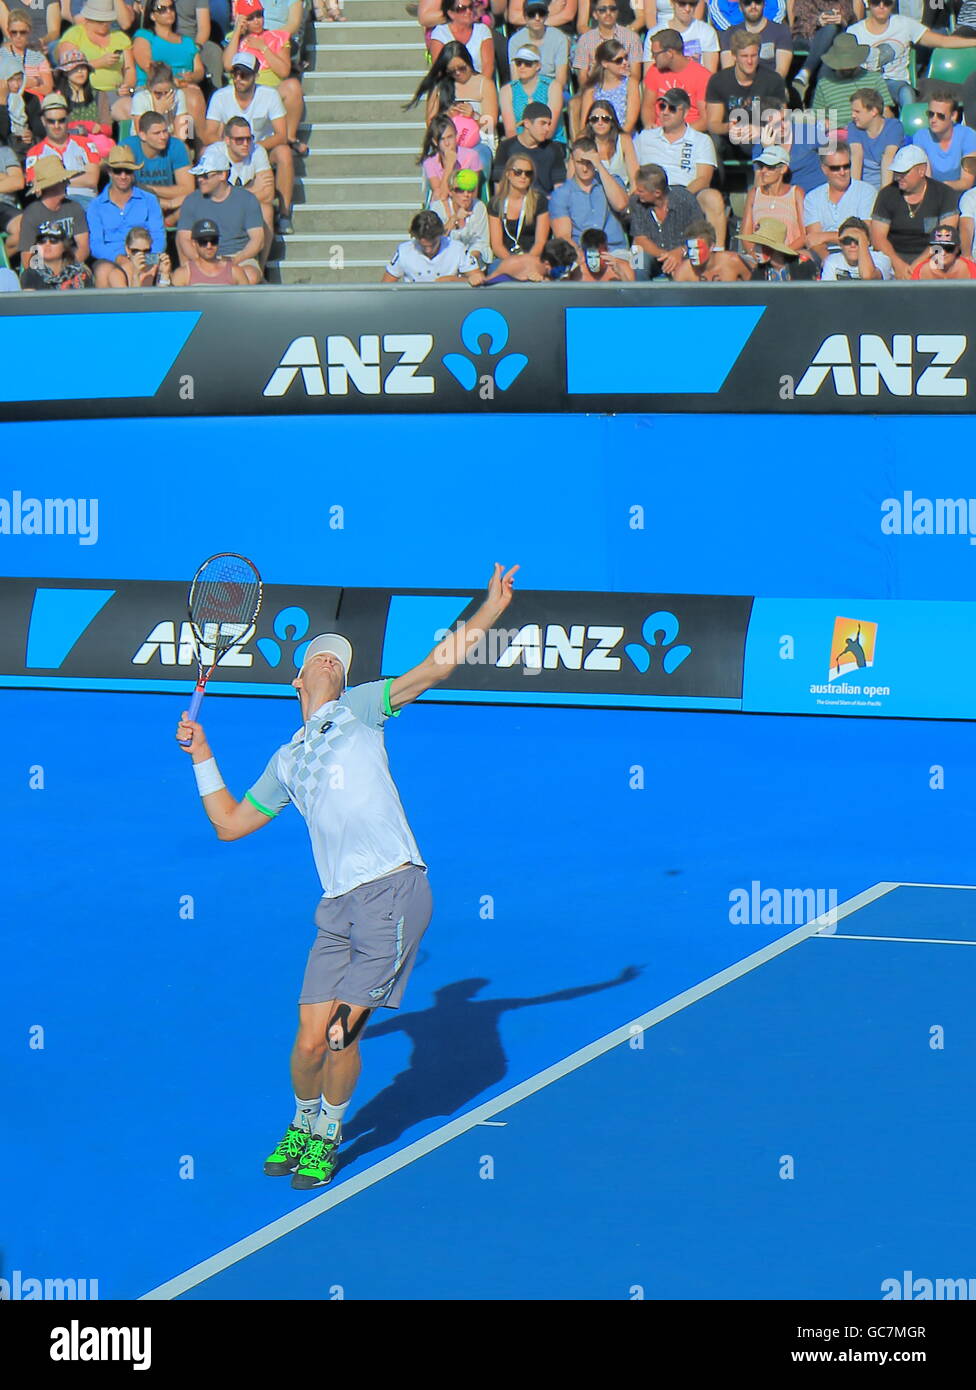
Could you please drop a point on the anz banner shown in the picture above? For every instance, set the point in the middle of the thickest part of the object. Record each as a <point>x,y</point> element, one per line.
<point>601,649</point>
<point>835,348</point>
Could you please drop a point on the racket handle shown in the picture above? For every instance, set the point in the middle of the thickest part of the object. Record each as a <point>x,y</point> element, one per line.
<point>192,713</point>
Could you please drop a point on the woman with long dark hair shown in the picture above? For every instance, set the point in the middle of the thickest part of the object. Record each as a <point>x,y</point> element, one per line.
<point>609,80</point>
<point>441,155</point>
<point>72,78</point>
<point>616,148</point>
<point>161,42</point>
<point>453,88</point>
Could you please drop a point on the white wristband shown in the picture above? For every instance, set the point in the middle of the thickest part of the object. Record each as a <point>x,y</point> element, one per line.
<point>208,777</point>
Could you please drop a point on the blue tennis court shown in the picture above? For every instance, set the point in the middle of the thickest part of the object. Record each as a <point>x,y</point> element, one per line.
<point>603,1084</point>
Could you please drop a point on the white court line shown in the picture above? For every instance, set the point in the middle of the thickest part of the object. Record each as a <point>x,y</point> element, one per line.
<point>919,940</point>
<point>392,1164</point>
<point>970,887</point>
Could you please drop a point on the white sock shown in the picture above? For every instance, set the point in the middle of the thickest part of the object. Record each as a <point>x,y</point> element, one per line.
<point>306,1114</point>
<point>329,1122</point>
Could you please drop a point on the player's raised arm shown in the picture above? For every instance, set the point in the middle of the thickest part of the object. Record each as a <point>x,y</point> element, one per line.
<point>448,653</point>
<point>231,819</point>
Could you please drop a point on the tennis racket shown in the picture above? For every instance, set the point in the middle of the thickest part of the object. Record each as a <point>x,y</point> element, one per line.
<point>223,604</point>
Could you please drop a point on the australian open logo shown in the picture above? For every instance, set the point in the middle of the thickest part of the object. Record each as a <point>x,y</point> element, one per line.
<point>487,366</point>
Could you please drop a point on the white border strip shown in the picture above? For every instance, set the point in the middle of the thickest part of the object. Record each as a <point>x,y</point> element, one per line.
<point>392,1164</point>
<point>915,940</point>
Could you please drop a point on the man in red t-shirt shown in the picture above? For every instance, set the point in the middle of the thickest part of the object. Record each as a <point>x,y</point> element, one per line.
<point>943,260</point>
<point>670,68</point>
<point>78,155</point>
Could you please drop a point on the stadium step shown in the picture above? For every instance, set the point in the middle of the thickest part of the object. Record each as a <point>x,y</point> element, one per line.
<point>320,273</point>
<point>338,222</point>
<point>366,57</point>
<point>359,190</point>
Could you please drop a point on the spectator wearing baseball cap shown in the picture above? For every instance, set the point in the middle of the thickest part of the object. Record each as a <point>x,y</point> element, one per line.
<point>264,112</point>
<point>776,260</point>
<point>901,211</point>
<point>855,258</point>
<point>53,265</point>
<point>944,259</point>
<point>27,40</point>
<point>49,204</point>
<point>772,195</point>
<point>550,42</point>
<point>110,53</point>
<point>119,206</point>
<point>271,49</point>
<point>235,211</point>
<point>687,156</point>
<point>528,85</point>
<point>533,140</point>
<point>207,266</point>
<point>79,155</point>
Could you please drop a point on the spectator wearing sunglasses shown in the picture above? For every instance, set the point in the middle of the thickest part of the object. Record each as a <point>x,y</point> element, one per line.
<point>271,51</point>
<point>533,141</point>
<point>839,198</point>
<point>890,37</point>
<point>607,28</point>
<point>775,40</point>
<point>24,44</point>
<point>465,216</point>
<point>236,213</point>
<point>159,41</point>
<point>726,14</point>
<point>518,215</point>
<point>772,195</point>
<point>856,259</point>
<point>51,204</point>
<point>205,265</point>
<point>905,210</point>
<point>52,264</point>
<point>250,168</point>
<point>609,79</point>
<point>78,155</point>
<point>461,26</point>
<point>562,15</point>
<point>699,38</point>
<point>121,205</point>
<point>140,268</point>
<point>670,68</point>
<point>614,146</point>
<point>529,86</point>
<point>686,156</point>
<point>945,142</point>
<point>453,88</point>
<point>944,259</point>
<point>552,43</point>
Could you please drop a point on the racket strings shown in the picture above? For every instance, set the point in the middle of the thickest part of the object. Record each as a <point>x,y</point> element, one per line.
<point>226,593</point>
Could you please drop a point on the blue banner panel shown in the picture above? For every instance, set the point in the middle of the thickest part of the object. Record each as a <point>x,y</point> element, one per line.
<point>861,657</point>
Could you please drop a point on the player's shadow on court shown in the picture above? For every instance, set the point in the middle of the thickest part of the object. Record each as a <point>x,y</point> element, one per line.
<point>457,1054</point>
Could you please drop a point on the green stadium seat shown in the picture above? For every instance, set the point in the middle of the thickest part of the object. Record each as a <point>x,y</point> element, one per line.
<point>4,262</point>
<point>952,65</point>
<point>914,117</point>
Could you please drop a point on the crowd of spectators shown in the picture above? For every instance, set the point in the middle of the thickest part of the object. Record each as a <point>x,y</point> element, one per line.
<point>691,140</point>
<point>148,144</point>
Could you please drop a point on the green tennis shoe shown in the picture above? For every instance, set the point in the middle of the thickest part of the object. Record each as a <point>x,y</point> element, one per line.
<point>318,1163</point>
<point>288,1154</point>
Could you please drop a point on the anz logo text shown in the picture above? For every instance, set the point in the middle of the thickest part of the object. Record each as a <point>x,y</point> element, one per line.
<point>912,365</point>
<point>371,369</point>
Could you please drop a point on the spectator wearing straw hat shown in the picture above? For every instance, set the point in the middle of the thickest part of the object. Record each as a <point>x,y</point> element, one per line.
<point>109,53</point>
<point>79,155</point>
<point>834,201</point>
<point>51,204</point>
<point>776,260</point>
<point>465,216</point>
<point>773,196</point>
<point>843,75</point>
<point>856,259</point>
<point>944,259</point>
<point>120,206</point>
<point>52,264</point>
<point>236,212</point>
<point>908,209</point>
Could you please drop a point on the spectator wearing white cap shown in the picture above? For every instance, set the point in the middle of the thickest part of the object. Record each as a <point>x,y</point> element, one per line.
<point>121,205</point>
<point>27,40</point>
<point>262,108</point>
<point>79,155</point>
<point>50,204</point>
<point>529,86</point>
<point>109,52</point>
<point>207,266</point>
<point>236,212</point>
<point>772,195</point>
<point>904,211</point>
<point>834,201</point>
<point>687,156</point>
<point>552,43</point>
<point>856,259</point>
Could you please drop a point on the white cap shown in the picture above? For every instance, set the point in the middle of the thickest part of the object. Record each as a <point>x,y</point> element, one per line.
<point>907,158</point>
<point>530,54</point>
<point>773,155</point>
<point>330,642</point>
<point>214,160</point>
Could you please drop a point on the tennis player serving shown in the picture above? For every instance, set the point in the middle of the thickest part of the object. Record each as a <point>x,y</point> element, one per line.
<point>376,902</point>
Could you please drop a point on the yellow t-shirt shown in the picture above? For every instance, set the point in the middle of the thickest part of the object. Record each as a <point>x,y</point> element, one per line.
<point>102,79</point>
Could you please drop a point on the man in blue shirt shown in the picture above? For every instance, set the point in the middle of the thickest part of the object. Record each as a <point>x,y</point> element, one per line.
<point>590,197</point>
<point>945,142</point>
<point>726,14</point>
<point>165,164</point>
<point>117,209</point>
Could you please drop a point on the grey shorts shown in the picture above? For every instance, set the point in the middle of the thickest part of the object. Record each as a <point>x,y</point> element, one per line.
<point>367,941</point>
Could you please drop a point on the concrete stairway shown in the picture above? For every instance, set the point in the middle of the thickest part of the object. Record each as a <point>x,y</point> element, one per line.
<point>360,184</point>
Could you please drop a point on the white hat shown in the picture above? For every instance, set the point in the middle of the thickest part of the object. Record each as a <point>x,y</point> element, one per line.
<point>907,158</point>
<point>773,155</point>
<point>102,11</point>
<point>330,642</point>
<point>214,160</point>
<point>530,54</point>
